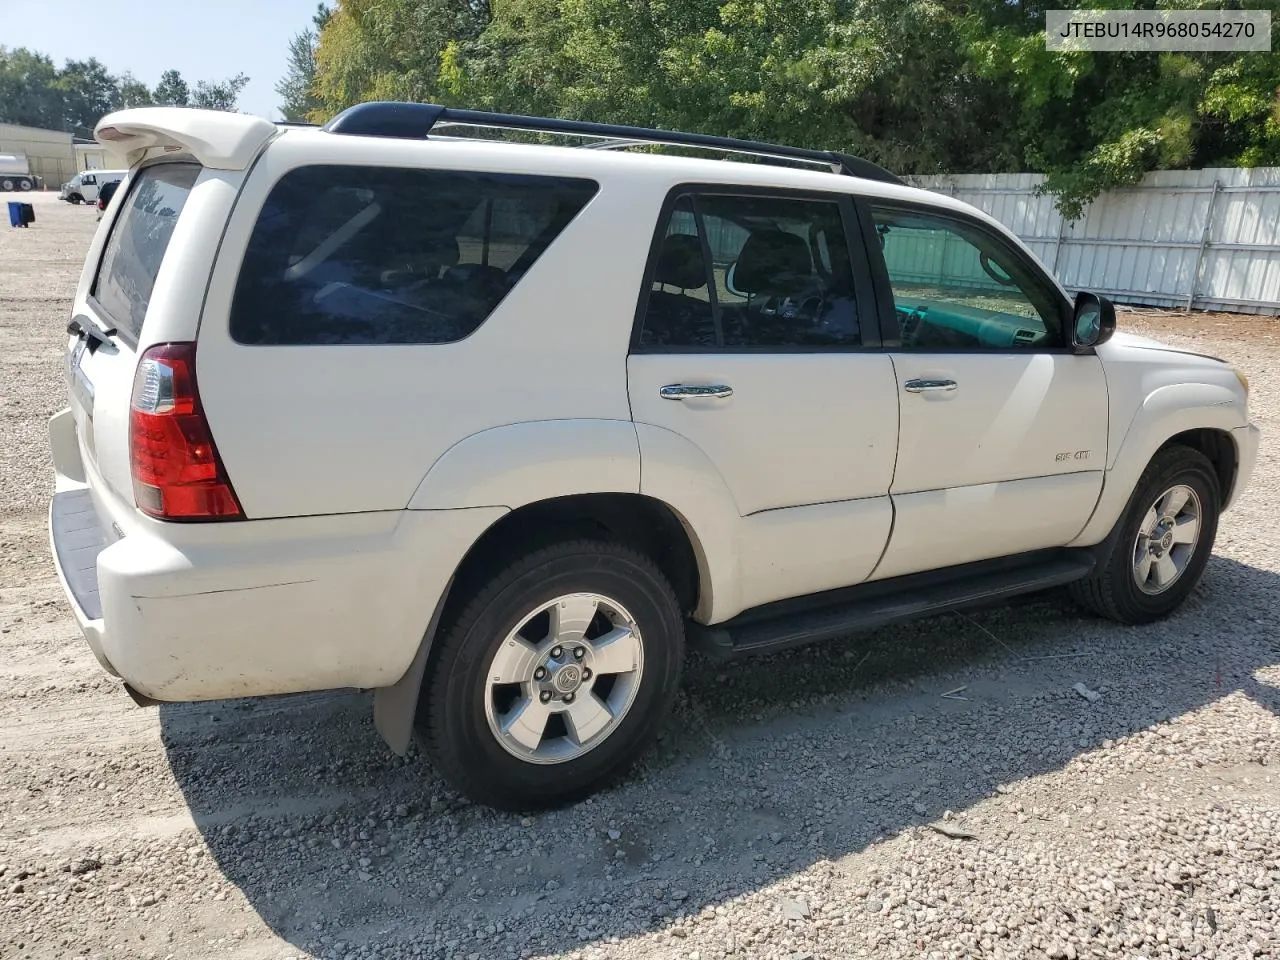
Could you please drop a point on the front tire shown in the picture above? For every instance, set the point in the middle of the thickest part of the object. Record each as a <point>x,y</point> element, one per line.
<point>554,677</point>
<point>1163,543</point>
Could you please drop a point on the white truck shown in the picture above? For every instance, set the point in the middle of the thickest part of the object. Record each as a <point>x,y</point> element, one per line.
<point>495,429</point>
<point>85,185</point>
<point>15,174</point>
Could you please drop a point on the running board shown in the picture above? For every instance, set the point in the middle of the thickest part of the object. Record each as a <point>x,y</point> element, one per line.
<point>837,613</point>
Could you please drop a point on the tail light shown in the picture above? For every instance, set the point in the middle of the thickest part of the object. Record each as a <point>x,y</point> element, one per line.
<point>177,473</point>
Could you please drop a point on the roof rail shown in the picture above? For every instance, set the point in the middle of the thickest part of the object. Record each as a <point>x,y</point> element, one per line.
<point>417,120</point>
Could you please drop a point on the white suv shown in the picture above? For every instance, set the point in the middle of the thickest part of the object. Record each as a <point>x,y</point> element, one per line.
<point>492,427</point>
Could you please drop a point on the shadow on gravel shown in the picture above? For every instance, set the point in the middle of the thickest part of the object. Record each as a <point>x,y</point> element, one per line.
<point>768,766</point>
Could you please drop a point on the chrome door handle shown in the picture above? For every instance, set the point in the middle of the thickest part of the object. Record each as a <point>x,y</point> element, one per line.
<point>928,386</point>
<point>688,391</point>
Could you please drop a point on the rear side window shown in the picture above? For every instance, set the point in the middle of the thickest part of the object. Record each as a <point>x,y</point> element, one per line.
<point>138,241</point>
<point>376,255</point>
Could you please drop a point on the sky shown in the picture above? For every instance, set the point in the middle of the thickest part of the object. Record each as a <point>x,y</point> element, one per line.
<point>203,39</point>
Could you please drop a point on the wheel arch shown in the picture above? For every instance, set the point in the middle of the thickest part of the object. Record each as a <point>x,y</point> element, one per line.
<point>1219,447</point>
<point>645,523</point>
<point>1200,416</point>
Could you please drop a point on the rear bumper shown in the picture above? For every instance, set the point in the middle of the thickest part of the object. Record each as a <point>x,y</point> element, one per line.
<point>76,537</point>
<point>214,610</point>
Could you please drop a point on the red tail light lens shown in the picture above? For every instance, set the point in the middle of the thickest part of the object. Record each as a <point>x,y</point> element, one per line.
<point>177,473</point>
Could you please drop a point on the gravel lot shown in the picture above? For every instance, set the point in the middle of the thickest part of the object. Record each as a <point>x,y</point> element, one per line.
<point>826,804</point>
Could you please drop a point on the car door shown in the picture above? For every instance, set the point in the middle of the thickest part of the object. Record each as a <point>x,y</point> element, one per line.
<point>757,354</point>
<point>1003,435</point>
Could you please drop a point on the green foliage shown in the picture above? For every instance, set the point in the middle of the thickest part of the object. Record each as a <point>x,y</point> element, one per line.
<point>172,90</point>
<point>297,85</point>
<point>920,86</point>
<point>1093,121</point>
<point>132,92</point>
<point>29,94</point>
<point>389,49</point>
<point>219,95</point>
<point>88,92</point>
<point>74,98</point>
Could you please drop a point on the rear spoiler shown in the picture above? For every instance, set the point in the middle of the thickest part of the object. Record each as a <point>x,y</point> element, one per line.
<point>217,139</point>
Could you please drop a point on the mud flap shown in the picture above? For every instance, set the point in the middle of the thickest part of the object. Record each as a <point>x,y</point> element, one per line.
<point>394,707</point>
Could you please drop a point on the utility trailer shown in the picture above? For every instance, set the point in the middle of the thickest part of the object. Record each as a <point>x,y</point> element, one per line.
<point>15,173</point>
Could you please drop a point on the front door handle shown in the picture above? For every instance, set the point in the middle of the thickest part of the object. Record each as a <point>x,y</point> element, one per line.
<point>928,386</point>
<point>688,391</point>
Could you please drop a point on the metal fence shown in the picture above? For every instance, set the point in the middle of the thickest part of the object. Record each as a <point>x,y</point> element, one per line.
<point>1205,239</point>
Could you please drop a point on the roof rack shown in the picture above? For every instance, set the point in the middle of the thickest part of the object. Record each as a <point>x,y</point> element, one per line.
<point>417,120</point>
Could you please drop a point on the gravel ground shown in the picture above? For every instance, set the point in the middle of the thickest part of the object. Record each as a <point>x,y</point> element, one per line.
<point>842,801</point>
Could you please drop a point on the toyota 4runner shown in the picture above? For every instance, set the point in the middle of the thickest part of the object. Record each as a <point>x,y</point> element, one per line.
<point>494,427</point>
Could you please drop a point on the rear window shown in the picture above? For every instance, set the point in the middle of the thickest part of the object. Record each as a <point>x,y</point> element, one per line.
<point>138,241</point>
<point>376,255</point>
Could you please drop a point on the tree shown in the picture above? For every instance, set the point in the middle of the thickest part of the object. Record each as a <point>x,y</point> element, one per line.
<point>921,86</point>
<point>389,49</point>
<point>295,87</point>
<point>219,95</point>
<point>88,93</point>
<point>28,91</point>
<point>1096,121</point>
<point>131,92</point>
<point>74,98</point>
<point>172,90</point>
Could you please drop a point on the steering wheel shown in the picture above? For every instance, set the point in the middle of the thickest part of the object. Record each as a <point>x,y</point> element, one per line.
<point>910,331</point>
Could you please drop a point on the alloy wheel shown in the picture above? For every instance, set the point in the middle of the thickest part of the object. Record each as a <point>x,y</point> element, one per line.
<point>563,680</point>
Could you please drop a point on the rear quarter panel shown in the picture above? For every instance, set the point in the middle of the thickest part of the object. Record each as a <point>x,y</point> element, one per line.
<point>333,429</point>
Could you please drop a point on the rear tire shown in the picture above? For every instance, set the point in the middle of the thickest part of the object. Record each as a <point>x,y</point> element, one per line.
<point>7,185</point>
<point>511,713</point>
<point>1163,542</point>
<point>25,184</point>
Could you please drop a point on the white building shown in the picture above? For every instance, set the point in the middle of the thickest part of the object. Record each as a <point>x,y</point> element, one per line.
<point>91,155</point>
<point>48,151</point>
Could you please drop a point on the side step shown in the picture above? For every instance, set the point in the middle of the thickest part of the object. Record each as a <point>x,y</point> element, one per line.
<point>836,613</point>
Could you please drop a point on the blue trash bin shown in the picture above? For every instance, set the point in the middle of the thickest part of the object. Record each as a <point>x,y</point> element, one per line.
<point>15,214</point>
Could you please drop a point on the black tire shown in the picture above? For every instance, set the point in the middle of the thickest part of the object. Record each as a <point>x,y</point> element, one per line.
<point>25,184</point>
<point>75,198</point>
<point>451,717</point>
<point>7,185</point>
<point>1113,591</point>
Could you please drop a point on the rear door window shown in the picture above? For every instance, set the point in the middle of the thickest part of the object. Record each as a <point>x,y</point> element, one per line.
<point>751,272</point>
<point>137,244</point>
<point>376,255</point>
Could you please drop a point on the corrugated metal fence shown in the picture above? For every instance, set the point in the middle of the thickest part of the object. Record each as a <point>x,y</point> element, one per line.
<point>1208,239</point>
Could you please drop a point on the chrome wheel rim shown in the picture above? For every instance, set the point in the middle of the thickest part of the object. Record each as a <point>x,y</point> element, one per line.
<point>1167,539</point>
<point>564,679</point>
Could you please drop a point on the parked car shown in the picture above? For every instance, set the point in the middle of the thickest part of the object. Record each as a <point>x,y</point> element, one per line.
<point>83,187</point>
<point>105,193</point>
<point>495,429</point>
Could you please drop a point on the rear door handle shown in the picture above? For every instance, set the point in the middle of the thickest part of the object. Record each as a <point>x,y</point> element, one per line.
<point>689,391</point>
<point>928,386</point>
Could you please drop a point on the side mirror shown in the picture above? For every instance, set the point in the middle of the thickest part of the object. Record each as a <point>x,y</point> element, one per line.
<point>1094,322</point>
